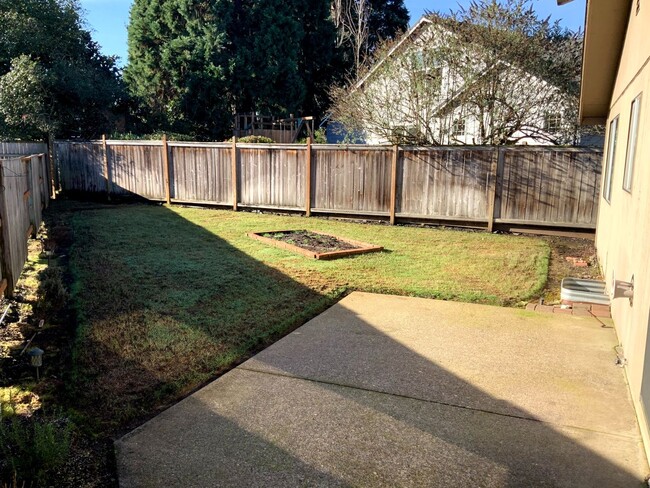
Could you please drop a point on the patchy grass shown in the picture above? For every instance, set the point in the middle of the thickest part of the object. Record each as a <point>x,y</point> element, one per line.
<point>169,297</point>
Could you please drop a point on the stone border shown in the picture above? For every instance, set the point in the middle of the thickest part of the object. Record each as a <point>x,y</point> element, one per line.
<point>362,247</point>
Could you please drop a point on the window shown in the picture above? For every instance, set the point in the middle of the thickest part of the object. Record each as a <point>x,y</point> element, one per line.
<point>552,123</point>
<point>609,163</point>
<point>631,144</point>
<point>458,127</point>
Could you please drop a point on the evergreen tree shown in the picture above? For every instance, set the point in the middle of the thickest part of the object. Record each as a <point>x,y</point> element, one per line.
<point>266,37</point>
<point>284,52</point>
<point>388,18</point>
<point>192,62</point>
<point>320,61</point>
<point>179,64</point>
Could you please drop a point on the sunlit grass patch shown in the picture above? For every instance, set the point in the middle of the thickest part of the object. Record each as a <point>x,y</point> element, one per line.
<point>166,298</point>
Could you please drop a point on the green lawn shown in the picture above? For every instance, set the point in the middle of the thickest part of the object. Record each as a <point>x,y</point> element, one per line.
<point>168,297</point>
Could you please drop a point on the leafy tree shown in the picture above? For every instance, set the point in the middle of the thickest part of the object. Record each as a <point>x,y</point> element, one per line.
<point>51,63</point>
<point>494,66</point>
<point>23,99</point>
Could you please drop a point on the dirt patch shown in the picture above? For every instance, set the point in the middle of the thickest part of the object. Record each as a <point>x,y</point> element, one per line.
<point>570,257</point>
<point>312,241</point>
<point>316,245</point>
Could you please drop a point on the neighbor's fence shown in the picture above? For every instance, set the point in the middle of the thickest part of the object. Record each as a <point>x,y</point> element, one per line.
<point>22,148</point>
<point>24,193</point>
<point>477,186</point>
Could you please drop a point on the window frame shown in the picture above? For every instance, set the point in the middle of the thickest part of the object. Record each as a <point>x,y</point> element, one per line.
<point>632,141</point>
<point>455,126</point>
<point>553,122</point>
<point>608,175</point>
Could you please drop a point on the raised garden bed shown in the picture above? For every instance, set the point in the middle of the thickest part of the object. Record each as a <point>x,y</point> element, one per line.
<point>317,245</point>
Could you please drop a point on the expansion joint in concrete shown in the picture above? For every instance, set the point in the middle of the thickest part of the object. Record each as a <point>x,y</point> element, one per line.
<point>436,402</point>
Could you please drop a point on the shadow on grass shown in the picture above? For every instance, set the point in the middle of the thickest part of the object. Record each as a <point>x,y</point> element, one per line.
<point>164,305</point>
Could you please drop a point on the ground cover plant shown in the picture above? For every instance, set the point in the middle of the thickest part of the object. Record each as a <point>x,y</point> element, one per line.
<point>167,297</point>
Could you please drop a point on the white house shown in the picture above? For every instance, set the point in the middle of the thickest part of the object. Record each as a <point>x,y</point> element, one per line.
<point>412,94</point>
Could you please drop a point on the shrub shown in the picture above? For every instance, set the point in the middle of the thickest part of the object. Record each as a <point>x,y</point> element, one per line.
<point>320,137</point>
<point>32,447</point>
<point>51,295</point>
<point>256,140</point>
<point>155,136</point>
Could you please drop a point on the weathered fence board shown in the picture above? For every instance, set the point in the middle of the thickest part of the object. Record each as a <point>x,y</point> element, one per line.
<point>80,167</point>
<point>201,174</point>
<point>136,170</point>
<point>24,192</point>
<point>351,179</point>
<point>451,183</point>
<point>269,176</point>
<point>22,148</point>
<point>550,186</point>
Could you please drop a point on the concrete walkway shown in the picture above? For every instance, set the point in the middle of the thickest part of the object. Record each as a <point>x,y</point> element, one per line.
<point>393,391</point>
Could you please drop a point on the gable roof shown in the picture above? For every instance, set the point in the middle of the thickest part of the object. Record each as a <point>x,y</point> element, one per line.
<point>424,21</point>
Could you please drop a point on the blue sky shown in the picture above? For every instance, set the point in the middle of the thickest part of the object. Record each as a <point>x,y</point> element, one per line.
<point>107,19</point>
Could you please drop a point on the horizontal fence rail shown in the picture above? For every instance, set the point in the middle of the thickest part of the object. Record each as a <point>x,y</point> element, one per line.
<point>478,186</point>
<point>24,193</point>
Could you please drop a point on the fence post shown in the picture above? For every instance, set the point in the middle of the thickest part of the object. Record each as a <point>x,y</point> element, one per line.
<point>29,196</point>
<point>308,179</point>
<point>393,184</point>
<point>497,161</point>
<point>41,181</point>
<point>5,255</point>
<point>107,170</point>
<point>54,178</point>
<point>235,196</point>
<point>165,155</point>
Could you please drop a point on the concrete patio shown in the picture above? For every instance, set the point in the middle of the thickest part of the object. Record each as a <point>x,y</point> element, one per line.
<point>394,391</point>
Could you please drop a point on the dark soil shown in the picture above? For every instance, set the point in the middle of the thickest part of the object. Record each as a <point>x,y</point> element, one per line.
<point>560,267</point>
<point>312,241</point>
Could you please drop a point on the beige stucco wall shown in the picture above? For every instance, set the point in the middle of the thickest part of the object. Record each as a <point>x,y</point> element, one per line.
<point>623,235</point>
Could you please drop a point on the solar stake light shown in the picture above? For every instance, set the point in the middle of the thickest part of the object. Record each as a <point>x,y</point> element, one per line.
<point>36,359</point>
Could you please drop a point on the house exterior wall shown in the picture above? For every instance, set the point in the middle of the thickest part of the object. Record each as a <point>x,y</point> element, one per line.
<point>623,235</point>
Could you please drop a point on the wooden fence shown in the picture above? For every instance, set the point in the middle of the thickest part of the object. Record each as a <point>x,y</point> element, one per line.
<point>475,186</point>
<point>24,193</point>
<point>22,148</point>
